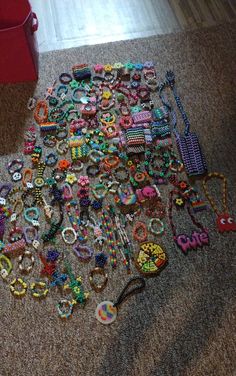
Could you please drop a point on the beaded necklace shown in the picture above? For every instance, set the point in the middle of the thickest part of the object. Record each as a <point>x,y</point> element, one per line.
<point>188,143</point>
<point>184,241</point>
<point>224,221</point>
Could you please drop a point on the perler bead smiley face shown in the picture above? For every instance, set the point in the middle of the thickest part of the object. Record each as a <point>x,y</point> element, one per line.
<point>151,259</point>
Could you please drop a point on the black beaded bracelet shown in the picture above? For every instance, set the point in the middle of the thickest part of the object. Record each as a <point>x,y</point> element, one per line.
<point>93,170</point>
<point>65,78</point>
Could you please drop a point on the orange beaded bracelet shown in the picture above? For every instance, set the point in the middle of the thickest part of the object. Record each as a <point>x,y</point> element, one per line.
<point>41,106</point>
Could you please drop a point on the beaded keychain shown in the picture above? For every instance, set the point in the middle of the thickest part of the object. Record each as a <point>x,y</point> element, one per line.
<point>224,221</point>
<point>106,312</point>
<point>185,242</point>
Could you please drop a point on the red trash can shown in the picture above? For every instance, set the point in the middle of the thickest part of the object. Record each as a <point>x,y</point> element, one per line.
<point>18,43</point>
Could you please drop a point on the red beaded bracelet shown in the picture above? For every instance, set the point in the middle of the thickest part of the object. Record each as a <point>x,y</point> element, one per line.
<point>140,227</point>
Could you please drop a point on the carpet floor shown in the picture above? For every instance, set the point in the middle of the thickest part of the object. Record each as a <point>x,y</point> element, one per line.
<point>183,324</point>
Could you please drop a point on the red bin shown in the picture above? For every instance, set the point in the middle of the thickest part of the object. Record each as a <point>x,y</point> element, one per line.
<point>18,43</point>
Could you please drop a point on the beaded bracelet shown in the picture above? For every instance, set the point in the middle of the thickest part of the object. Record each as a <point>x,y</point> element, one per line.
<point>62,147</point>
<point>65,78</point>
<point>111,161</point>
<point>51,159</point>
<point>30,230</point>
<point>18,207</point>
<point>140,227</point>
<point>121,174</point>
<point>28,268</point>
<point>93,170</point>
<point>15,166</point>
<point>31,214</point>
<point>95,286</point>
<point>76,166</point>
<point>159,224</point>
<point>27,177</point>
<point>95,156</point>
<point>83,252</point>
<point>98,188</point>
<point>15,234</point>
<point>5,266</point>
<point>11,194</point>
<point>71,231</point>
<point>49,141</point>
<point>41,106</point>
<point>61,91</point>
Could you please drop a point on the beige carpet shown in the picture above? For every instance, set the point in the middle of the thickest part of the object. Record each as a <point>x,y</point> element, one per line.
<point>184,322</point>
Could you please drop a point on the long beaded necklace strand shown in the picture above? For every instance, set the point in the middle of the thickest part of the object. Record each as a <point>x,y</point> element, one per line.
<point>107,225</point>
<point>188,143</point>
<point>224,221</point>
<point>184,241</point>
<point>75,220</point>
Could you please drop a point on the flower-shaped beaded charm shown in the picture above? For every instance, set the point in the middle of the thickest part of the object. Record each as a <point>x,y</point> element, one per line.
<point>183,185</point>
<point>71,178</point>
<point>129,66</point>
<point>106,95</point>
<point>118,66</point>
<point>148,65</point>
<point>138,66</point>
<point>179,202</point>
<point>98,68</point>
<point>63,164</point>
<point>83,192</point>
<point>108,68</point>
<point>83,180</point>
<point>74,84</point>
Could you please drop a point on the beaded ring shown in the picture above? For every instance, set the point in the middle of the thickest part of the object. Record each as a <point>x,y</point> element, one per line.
<point>95,286</point>
<point>21,283</point>
<point>39,289</point>
<point>64,308</point>
<point>58,175</point>
<point>51,160</point>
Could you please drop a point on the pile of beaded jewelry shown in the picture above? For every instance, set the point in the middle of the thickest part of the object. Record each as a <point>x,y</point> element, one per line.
<point>89,191</point>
